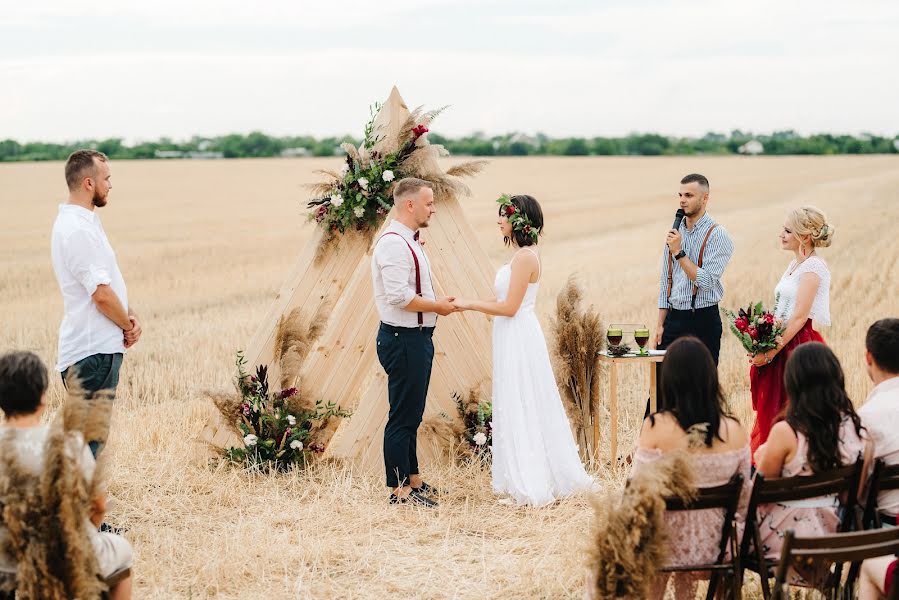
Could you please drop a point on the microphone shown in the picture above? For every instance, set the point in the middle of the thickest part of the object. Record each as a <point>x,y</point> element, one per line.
<point>678,217</point>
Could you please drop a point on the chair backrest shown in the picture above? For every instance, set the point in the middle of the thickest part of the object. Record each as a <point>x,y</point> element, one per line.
<point>836,548</point>
<point>721,496</point>
<point>842,482</point>
<point>883,478</point>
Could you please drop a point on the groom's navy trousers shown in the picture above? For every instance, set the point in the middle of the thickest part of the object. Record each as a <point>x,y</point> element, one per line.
<point>406,353</point>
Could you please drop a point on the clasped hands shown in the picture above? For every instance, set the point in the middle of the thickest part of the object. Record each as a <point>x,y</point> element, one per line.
<point>450,304</point>
<point>132,335</point>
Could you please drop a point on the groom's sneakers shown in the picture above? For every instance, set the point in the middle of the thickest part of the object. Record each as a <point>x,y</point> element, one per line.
<point>415,497</point>
<point>427,489</point>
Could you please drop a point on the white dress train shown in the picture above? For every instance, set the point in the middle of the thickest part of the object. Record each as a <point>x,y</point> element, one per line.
<point>535,458</point>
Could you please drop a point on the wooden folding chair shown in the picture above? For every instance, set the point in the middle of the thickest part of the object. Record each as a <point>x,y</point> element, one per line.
<point>842,483</point>
<point>883,478</point>
<point>725,497</point>
<point>838,548</point>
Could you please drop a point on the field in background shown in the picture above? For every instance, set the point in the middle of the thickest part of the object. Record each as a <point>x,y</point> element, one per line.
<point>204,247</point>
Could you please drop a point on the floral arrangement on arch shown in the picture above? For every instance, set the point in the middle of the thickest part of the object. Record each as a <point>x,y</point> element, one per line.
<point>359,196</point>
<point>276,431</point>
<point>758,329</point>
<point>477,425</point>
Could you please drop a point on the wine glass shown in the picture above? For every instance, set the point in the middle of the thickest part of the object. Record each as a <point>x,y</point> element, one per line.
<point>614,335</point>
<point>641,336</point>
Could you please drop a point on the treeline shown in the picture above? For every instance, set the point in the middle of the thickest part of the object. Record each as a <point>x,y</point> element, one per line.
<point>257,144</point>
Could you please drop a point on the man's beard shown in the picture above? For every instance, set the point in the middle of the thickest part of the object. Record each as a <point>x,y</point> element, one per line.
<point>424,224</point>
<point>98,200</point>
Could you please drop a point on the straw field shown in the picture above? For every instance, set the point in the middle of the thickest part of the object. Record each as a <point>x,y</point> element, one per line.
<point>204,247</point>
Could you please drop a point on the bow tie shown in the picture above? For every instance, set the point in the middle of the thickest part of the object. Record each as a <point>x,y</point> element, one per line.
<point>416,237</point>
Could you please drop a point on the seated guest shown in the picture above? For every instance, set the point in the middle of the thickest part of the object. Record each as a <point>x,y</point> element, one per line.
<point>694,420</point>
<point>821,432</point>
<point>880,412</point>
<point>877,578</point>
<point>23,450</point>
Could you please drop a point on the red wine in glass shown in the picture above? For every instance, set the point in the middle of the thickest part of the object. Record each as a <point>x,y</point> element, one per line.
<point>641,336</point>
<point>614,336</point>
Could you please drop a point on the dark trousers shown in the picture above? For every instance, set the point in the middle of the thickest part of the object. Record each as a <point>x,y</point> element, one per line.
<point>703,323</point>
<point>406,354</point>
<point>98,372</point>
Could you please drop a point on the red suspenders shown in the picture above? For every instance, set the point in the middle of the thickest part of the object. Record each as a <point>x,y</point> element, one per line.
<point>417,271</point>
<point>698,264</point>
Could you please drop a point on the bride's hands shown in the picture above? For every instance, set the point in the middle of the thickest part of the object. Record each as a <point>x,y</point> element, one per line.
<point>462,304</point>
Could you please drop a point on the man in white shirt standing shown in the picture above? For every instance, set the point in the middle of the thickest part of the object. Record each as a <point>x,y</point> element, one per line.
<point>408,309</point>
<point>97,326</point>
<point>880,412</point>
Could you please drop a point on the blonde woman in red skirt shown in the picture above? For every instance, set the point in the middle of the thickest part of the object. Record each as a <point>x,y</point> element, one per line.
<point>803,298</point>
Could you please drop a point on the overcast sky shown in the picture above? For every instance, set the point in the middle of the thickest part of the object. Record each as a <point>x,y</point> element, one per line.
<point>142,70</point>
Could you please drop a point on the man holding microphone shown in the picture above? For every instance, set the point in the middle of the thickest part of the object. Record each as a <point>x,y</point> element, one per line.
<point>696,253</point>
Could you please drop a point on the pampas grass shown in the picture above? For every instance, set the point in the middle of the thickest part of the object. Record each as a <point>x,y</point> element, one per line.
<point>577,339</point>
<point>46,514</point>
<point>629,533</point>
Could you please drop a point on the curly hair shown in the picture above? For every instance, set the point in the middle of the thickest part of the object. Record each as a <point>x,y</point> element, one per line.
<point>818,403</point>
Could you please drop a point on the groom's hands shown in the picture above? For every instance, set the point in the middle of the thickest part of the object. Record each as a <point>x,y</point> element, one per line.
<point>445,306</point>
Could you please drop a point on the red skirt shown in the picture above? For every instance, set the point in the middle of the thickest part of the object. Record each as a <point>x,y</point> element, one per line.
<point>769,398</point>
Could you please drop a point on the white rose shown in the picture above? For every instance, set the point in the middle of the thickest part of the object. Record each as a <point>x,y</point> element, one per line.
<point>479,438</point>
<point>250,440</point>
<point>296,445</point>
<point>336,200</point>
<point>387,176</point>
<point>291,419</point>
<point>359,211</point>
<point>363,183</point>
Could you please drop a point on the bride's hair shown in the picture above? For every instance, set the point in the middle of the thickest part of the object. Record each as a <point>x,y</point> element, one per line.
<point>810,221</point>
<point>530,207</point>
<point>689,388</point>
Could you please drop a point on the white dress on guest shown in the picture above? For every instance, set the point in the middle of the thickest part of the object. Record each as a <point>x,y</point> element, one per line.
<point>535,458</point>
<point>788,288</point>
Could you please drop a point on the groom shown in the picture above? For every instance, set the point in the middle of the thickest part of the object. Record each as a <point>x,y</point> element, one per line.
<point>408,309</point>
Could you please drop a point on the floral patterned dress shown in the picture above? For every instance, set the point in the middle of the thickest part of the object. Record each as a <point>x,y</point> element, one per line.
<point>807,518</point>
<point>694,535</point>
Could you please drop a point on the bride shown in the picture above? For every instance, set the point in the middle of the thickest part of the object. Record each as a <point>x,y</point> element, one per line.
<point>535,459</point>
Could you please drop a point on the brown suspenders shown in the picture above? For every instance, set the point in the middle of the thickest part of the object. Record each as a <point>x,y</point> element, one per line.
<point>417,271</point>
<point>698,264</point>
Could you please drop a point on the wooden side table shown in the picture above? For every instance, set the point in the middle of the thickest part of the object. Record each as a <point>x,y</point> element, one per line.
<point>650,362</point>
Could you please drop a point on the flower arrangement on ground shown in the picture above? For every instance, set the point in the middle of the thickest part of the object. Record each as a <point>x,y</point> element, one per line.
<point>477,424</point>
<point>276,430</point>
<point>758,329</point>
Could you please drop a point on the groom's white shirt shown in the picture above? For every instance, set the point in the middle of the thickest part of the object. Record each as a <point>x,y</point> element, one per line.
<point>393,277</point>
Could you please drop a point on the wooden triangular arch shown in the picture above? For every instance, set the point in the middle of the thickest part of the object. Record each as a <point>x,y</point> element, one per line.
<point>343,366</point>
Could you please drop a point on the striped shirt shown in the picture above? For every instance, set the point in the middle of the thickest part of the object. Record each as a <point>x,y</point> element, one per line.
<point>717,253</point>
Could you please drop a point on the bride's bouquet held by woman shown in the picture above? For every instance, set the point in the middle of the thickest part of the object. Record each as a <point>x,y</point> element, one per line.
<point>756,328</point>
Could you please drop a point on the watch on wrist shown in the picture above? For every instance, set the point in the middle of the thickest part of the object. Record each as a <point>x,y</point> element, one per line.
<point>680,255</point>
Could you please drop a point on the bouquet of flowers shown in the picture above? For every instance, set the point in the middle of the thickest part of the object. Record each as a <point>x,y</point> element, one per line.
<point>756,328</point>
<point>477,421</point>
<point>276,431</point>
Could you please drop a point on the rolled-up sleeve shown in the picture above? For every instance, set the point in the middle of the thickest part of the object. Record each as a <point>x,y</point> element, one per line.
<point>394,261</point>
<point>717,255</point>
<point>663,283</point>
<point>83,256</point>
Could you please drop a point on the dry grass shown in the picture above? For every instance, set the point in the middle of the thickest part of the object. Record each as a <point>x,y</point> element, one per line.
<point>205,246</point>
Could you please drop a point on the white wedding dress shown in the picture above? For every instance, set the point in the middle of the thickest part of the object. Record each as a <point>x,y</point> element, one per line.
<point>535,458</point>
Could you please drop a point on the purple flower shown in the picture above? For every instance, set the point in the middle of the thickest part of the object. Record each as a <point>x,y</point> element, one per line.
<point>287,393</point>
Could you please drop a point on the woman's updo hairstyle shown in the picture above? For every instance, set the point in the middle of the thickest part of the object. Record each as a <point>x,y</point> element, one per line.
<point>530,207</point>
<point>810,221</point>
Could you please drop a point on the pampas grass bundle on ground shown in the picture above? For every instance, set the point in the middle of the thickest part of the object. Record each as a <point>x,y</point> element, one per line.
<point>578,336</point>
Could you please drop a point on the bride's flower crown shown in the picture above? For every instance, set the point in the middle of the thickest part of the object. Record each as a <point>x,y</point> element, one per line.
<point>517,217</point>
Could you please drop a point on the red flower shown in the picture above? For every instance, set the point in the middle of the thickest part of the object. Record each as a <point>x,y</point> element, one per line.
<point>742,324</point>
<point>418,131</point>
<point>769,318</point>
<point>510,210</point>
<point>753,333</point>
